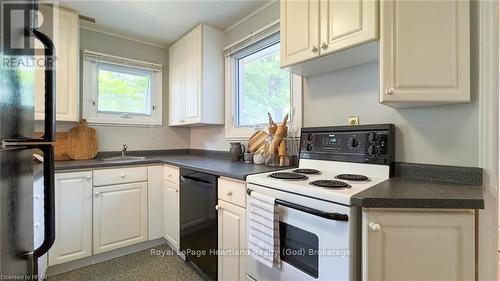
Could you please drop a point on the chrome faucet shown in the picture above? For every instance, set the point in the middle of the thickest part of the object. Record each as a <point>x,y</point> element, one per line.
<point>124,150</point>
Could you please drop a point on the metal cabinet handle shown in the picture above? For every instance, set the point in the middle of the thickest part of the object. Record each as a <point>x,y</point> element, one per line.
<point>88,177</point>
<point>217,207</point>
<point>37,225</point>
<point>375,227</point>
<point>389,91</point>
<point>36,196</point>
<point>229,193</point>
<point>122,175</point>
<point>324,46</point>
<point>96,194</point>
<point>314,49</point>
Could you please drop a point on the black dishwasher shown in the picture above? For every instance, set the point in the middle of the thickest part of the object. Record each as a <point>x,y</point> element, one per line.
<point>198,218</point>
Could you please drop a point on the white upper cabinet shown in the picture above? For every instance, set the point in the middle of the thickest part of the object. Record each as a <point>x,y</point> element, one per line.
<point>424,52</point>
<point>312,31</point>
<point>345,24</point>
<point>196,78</point>
<point>66,38</point>
<point>299,25</point>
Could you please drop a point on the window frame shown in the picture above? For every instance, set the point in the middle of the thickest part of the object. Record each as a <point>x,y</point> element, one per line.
<point>91,113</point>
<point>232,130</point>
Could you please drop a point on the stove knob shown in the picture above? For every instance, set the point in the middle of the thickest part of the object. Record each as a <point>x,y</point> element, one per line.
<point>372,149</point>
<point>373,137</point>
<point>353,142</point>
<point>310,137</point>
<point>309,147</point>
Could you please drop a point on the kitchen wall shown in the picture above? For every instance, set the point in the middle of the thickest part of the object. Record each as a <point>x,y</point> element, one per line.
<point>440,135</point>
<point>213,137</point>
<point>110,138</point>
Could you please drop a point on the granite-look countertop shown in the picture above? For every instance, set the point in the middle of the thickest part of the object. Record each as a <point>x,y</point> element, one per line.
<point>416,193</point>
<point>204,163</point>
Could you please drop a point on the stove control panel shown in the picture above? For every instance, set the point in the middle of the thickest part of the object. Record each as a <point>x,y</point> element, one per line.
<point>372,144</point>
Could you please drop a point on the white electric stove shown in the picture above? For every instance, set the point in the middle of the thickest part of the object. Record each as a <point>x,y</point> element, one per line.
<point>319,228</point>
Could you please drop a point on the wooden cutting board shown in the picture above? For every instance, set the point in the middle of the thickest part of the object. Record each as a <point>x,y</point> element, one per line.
<point>257,141</point>
<point>60,147</point>
<point>82,142</point>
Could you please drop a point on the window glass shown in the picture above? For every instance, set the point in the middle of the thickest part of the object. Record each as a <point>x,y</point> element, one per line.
<point>123,90</point>
<point>262,87</point>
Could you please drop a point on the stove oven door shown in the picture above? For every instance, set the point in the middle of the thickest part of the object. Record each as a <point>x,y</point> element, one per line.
<point>312,247</point>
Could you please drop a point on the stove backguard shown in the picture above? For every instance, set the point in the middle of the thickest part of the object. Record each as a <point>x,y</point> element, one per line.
<point>371,144</point>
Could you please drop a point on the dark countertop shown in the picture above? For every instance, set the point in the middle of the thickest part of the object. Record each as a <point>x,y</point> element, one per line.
<point>203,163</point>
<point>400,192</point>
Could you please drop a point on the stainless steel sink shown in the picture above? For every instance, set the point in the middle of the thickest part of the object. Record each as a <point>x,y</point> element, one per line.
<point>124,158</point>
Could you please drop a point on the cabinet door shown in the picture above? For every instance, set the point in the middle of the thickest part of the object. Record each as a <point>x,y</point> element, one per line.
<point>346,24</point>
<point>155,202</point>
<point>171,213</point>
<point>425,52</point>
<point>299,31</point>
<point>120,216</point>
<point>231,228</point>
<point>418,245</point>
<point>192,81</point>
<point>73,206</point>
<point>38,219</point>
<point>66,40</point>
<point>176,84</point>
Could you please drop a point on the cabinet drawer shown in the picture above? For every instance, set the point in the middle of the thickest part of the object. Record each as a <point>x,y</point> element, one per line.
<point>232,191</point>
<point>171,174</point>
<point>120,175</point>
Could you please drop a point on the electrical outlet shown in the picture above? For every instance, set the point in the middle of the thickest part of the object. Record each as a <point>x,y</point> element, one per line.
<point>353,120</point>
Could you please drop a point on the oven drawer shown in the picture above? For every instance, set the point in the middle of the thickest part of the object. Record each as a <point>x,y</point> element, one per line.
<point>171,174</point>
<point>120,175</point>
<point>232,191</point>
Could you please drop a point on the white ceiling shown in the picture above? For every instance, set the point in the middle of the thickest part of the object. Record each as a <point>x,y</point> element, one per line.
<point>161,22</point>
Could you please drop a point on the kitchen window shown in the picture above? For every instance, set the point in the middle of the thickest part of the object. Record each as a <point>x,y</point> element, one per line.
<point>256,85</point>
<point>121,91</point>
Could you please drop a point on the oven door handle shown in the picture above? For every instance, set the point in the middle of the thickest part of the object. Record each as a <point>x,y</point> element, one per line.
<point>331,216</point>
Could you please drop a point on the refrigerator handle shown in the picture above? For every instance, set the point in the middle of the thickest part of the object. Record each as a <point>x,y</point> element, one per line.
<point>49,135</point>
<point>50,86</point>
<point>48,200</point>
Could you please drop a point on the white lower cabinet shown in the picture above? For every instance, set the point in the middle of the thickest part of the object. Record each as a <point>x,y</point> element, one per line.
<point>120,216</point>
<point>73,208</point>
<point>171,214</point>
<point>231,229</point>
<point>155,202</point>
<point>412,244</point>
<point>38,223</point>
<point>231,240</point>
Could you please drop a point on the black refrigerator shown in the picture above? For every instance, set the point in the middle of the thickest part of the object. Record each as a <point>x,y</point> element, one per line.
<point>18,254</point>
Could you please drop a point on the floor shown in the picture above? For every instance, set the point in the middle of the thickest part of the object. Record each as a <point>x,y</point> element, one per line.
<point>142,265</point>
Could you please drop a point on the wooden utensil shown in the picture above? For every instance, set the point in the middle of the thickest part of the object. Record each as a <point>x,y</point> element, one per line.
<point>82,142</point>
<point>257,141</point>
<point>272,125</point>
<point>60,147</point>
<point>279,134</point>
